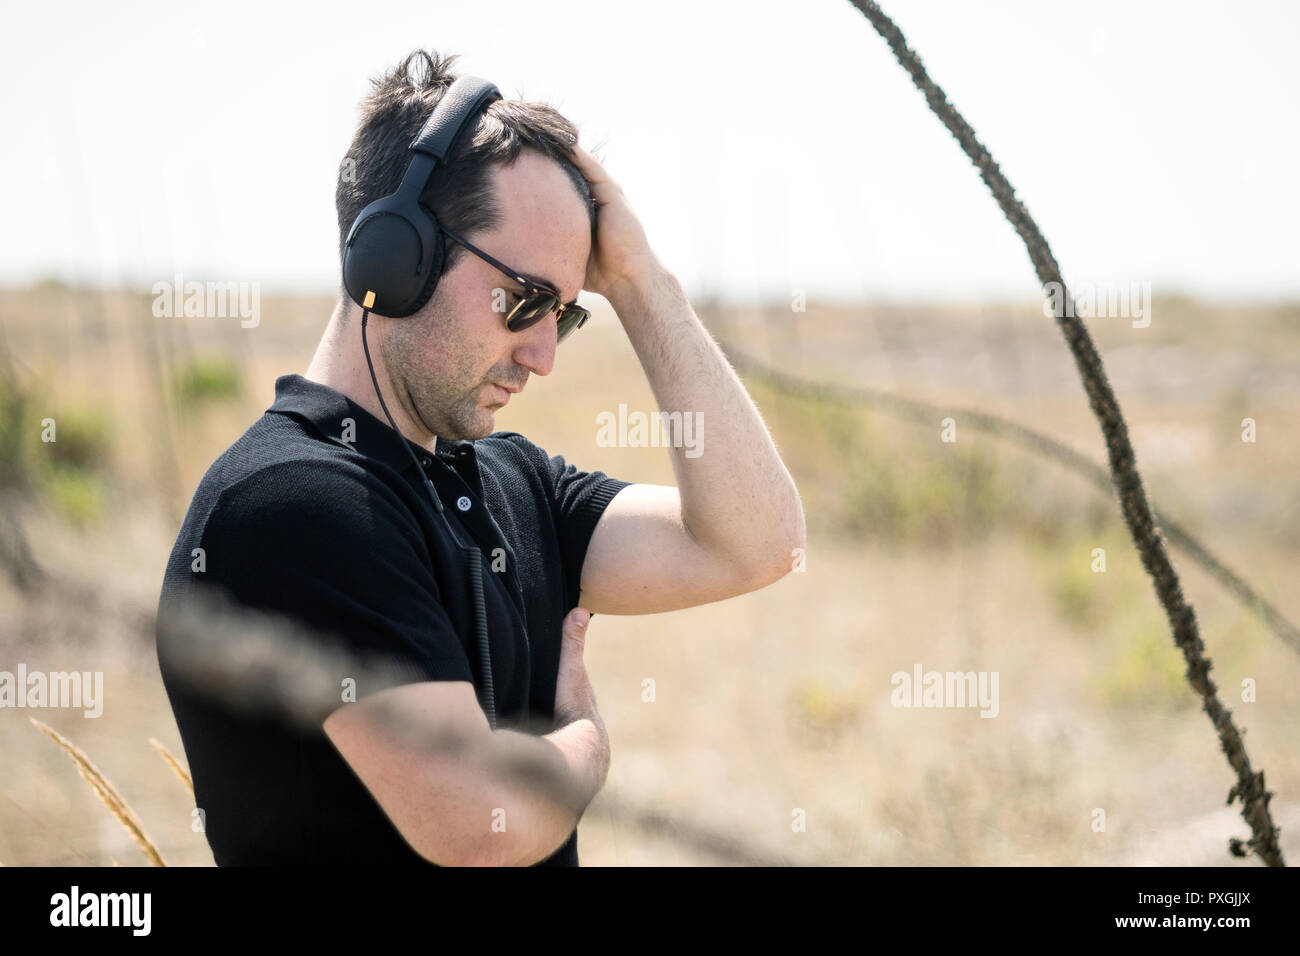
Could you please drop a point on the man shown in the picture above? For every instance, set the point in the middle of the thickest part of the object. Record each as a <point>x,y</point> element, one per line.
<point>318,513</point>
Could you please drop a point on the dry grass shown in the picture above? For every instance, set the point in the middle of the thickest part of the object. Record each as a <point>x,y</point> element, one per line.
<point>106,792</point>
<point>182,774</point>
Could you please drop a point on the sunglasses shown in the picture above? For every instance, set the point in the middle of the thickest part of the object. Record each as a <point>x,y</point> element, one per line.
<point>538,302</point>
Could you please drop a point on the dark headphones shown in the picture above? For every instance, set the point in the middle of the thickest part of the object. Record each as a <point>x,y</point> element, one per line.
<point>394,254</point>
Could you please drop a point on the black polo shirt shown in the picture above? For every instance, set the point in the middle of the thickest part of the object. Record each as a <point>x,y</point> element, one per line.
<point>317,513</point>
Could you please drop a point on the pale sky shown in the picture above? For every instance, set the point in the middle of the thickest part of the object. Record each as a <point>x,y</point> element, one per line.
<point>768,146</point>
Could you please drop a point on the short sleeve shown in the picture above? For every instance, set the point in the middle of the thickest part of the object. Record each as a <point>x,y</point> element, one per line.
<point>340,555</point>
<point>577,498</point>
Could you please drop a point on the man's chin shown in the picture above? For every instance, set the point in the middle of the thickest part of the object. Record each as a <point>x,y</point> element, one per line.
<point>490,419</point>
<point>482,425</point>
<point>472,423</point>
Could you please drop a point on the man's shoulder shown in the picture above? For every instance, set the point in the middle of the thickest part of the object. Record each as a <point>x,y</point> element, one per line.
<point>509,450</point>
<point>308,482</point>
<point>506,451</point>
<point>302,490</point>
<point>302,505</point>
<point>275,472</point>
<point>512,445</point>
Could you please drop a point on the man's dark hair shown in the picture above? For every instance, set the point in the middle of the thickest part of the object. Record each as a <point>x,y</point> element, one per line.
<point>393,114</point>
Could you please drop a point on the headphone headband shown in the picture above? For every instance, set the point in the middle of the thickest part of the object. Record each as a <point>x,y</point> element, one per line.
<point>393,256</point>
<point>443,129</point>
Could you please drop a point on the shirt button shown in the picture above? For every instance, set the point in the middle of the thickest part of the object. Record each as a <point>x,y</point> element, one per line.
<point>425,461</point>
<point>463,503</point>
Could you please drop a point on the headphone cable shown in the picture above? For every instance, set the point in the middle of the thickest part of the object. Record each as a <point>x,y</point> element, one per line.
<point>476,562</point>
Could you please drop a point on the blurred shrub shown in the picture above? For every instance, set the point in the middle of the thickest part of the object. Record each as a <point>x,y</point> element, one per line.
<point>81,438</point>
<point>68,472</point>
<point>1146,669</point>
<point>868,478</point>
<point>16,462</point>
<point>52,283</point>
<point>72,470</point>
<point>207,378</point>
<point>1075,588</point>
<point>1074,592</point>
<point>77,495</point>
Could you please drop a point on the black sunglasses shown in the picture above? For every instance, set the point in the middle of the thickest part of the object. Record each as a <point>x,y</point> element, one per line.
<point>538,302</point>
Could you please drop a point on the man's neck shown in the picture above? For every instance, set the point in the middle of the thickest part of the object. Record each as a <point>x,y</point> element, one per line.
<point>340,364</point>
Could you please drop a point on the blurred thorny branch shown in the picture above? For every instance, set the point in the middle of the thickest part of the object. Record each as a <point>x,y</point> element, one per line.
<point>263,664</point>
<point>257,663</point>
<point>1124,475</point>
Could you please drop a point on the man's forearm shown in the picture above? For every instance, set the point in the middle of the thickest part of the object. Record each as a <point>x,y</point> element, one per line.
<point>543,786</point>
<point>738,499</point>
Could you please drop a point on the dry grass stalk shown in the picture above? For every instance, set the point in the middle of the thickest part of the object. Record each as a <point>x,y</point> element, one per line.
<point>106,792</point>
<point>181,773</point>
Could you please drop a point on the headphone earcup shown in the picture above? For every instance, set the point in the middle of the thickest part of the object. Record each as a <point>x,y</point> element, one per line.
<point>395,250</point>
<point>438,245</point>
<point>389,252</point>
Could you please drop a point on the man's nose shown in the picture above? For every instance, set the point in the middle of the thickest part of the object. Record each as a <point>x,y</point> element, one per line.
<point>535,350</point>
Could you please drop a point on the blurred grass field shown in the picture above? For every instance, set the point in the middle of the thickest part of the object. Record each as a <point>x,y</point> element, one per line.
<point>973,555</point>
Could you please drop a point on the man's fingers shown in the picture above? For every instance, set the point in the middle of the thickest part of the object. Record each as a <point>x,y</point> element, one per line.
<point>588,163</point>
<point>575,624</point>
<point>593,172</point>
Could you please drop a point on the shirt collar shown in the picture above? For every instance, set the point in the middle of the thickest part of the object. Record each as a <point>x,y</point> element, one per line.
<point>342,421</point>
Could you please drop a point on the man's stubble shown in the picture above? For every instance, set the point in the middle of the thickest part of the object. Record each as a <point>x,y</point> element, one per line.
<point>435,369</point>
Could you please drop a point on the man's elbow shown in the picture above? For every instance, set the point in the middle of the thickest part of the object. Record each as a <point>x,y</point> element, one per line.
<point>788,561</point>
<point>518,842</point>
<point>781,560</point>
<point>482,854</point>
<point>461,833</point>
<point>501,849</point>
<point>446,854</point>
<point>479,851</point>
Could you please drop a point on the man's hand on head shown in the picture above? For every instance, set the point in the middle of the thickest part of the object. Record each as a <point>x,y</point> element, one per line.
<point>621,254</point>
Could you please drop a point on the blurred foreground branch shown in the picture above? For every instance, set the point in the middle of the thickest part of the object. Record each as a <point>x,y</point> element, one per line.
<point>263,663</point>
